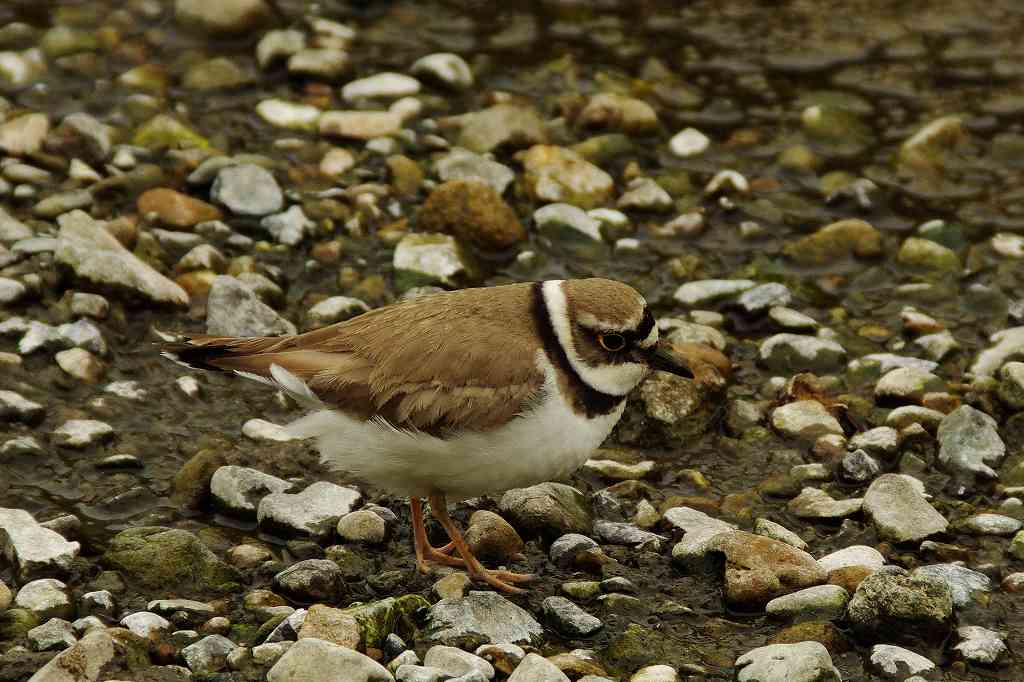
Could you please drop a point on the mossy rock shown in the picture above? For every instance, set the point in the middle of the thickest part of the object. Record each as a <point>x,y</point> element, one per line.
<point>169,559</point>
<point>473,212</point>
<point>636,647</point>
<point>15,623</point>
<point>164,132</point>
<point>928,255</point>
<point>192,482</point>
<point>836,241</point>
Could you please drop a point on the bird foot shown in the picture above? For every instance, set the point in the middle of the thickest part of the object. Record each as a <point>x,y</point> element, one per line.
<point>501,580</point>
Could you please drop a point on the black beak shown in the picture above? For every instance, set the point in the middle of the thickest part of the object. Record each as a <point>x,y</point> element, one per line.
<point>664,358</point>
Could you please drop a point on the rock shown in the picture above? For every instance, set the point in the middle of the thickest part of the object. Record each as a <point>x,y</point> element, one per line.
<point>814,503</point>
<point>208,655</point>
<point>193,611</point>
<point>564,219</point>
<point>247,189</point>
<point>964,584</point>
<point>858,467</point>
<point>806,661</point>
<point>689,142</point>
<point>12,229</point>
<point>82,662</point>
<point>969,442</point>
<point>569,619</point>
<point>702,292</point>
<point>238,490</point>
<point>503,125</point>
<point>727,181</point>
<point>855,555</point>
<point>895,503</point>
<point>547,509</point>
<point>360,125</point>
<point>760,299</point>
<point>146,625</point>
<point>15,407</point>
<point>851,237</point>
<point>383,85</point>
<point>907,384</point>
<point>893,603</point>
<point>558,174</point>
<point>11,291</point>
<point>619,471</point>
<point>55,634</point>
<point>431,259</point>
<point>331,625</point>
<point>46,598</point>
<point>758,569</point>
<point>314,660</point>
<point>175,209</point>
<point>81,433</point>
<point>315,511</point>
<point>1011,388</point>
<point>24,135</point>
<point>699,530</point>
<point>311,580</point>
<point>895,662</point>
<point>612,111</point>
<point>787,318</point>
<point>462,164</point>
<point>97,257</point>
<point>289,115</point>
<point>228,17</point>
<point>480,618</point>
<point>644,194</point>
<point>619,533</point>
<point>456,662</point>
<point>261,429</point>
<point>650,673</point>
<point>675,407</point>
<point>881,441</point>
<point>80,364</point>
<point>1008,344</point>
<point>336,309</point>
<point>446,69</point>
<point>905,416</point>
<point>564,550</point>
<point>990,524</point>
<point>770,529</point>
<point>536,668</point>
<point>473,212</point>
<point>980,645</point>
<point>927,255</point>
<point>821,602</point>
<point>33,549</point>
<point>798,353</point>
<point>362,526</point>
<point>492,538</point>
<point>805,419</point>
<point>289,227</point>
<point>185,562</point>
<point>233,309</point>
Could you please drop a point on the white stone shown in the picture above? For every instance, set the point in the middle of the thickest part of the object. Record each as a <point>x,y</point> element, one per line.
<point>284,114</point>
<point>31,547</point>
<point>144,623</point>
<point>689,142</point>
<point>386,85</point>
<point>445,67</point>
<point>80,433</point>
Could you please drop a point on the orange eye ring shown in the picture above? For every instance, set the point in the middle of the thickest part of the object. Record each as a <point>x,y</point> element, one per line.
<point>612,342</point>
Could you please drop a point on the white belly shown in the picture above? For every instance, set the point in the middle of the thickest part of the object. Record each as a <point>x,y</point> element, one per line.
<point>548,443</point>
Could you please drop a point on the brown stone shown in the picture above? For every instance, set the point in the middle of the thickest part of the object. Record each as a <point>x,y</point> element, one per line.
<point>473,212</point>
<point>331,625</point>
<point>758,568</point>
<point>492,538</point>
<point>825,633</point>
<point>175,209</point>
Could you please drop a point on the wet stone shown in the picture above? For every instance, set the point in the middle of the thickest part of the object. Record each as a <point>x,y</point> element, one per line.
<point>770,529</point>
<point>336,309</point>
<point>560,216</point>
<point>990,524</point>
<point>907,384</point>
<point>311,580</point>
<point>699,530</point>
<point>758,569</point>
<point>434,259</point>
<point>855,555</point>
<point>1011,386</point>
<point>882,441</point>
<point>480,618</point>
<point>896,505</point>
<point>644,194</point>
<point>359,125</point>
<point>821,602</point>
<point>806,420</point>
<point>472,211</point>
<point>763,297</point>
<point>689,142</point>
<point>384,85</point>
<point>1007,344</point>
<point>209,654</point>
<point>362,526</point>
<point>703,292</point>
<point>186,562</point>
<point>969,442</point>
<point>314,660</point>
<point>32,548</point>
<point>503,125</point>
<point>462,164</point>
<point>814,503</point>
<point>563,551</point>
<point>315,511</point>
<point>964,583</point>
<point>894,662</point>
<point>238,489</point>
<point>547,509</point>
<point>81,433</point>
<point>444,68</point>
<point>558,174</point>
<point>247,189</point>
<point>233,309</point>
<point>535,668</point>
<point>492,538</point>
<point>89,656</point>
<point>808,661</point>
<point>796,353</point>
<point>569,619</point>
<point>289,227</point>
<point>15,407</point>
<point>980,645</point>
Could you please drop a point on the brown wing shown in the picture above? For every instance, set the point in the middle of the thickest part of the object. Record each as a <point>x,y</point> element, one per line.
<point>459,360</point>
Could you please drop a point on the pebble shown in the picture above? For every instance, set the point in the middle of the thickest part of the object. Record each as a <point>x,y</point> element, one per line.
<point>557,174</point>
<point>781,662</point>
<point>991,524</point>
<point>1011,386</point>
<point>814,503</point>
<point>881,441</point>
<point>787,318</point>
<point>455,662</point>
<point>1006,344</point>
<point>980,645</point>
<point>619,471</point>
<point>964,583</point>
<point>384,85</point>
<point>644,194</point>
<point>12,229</point>
<point>11,291</point>
<point>547,509</point>
<point>362,526</point>
<point>854,555</point>
<point>895,662</point>
<point>311,580</point>
<point>903,606</point>
<point>480,618</point>
<point>699,530</point>
<point>247,189</point>
<point>969,442</point>
<point>146,624</point>
<point>560,215</point>
<point>806,420</point>
<point>763,297</point>
<point>32,548</point>
<point>563,551</point>
<point>315,511</point>
<point>435,259</point>
<point>310,660</point>
<point>779,532</point>
<point>81,433</point>
<point>80,364</point>
<point>820,602</point>
<point>55,634</point>
<point>261,429</point>
<point>462,164</point>
<point>239,489</point>
<point>234,309</point>
<point>705,291</point>
<point>492,538</point>
<point>907,384</point>
<point>535,668</point>
<point>45,597</point>
<point>568,618</point>
<point>90,654</point>
<point>15,407</point>
<point>895,503</point>
<point>289,227</point>
<point>446,69</point>
<point>85,246</point>
<point>24,445</point>
<point>858,467</point>
<point>326,63</point>
<point>689,142</point>
<point>359,125</point>
<point>799,353</point>
<point>24,135</point>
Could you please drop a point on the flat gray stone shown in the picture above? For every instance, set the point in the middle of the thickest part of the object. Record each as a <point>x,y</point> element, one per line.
<point>569,619</point>
<point>895,662</point>
<point>234,309</point>
<point>247,189</point>
<point>87,658</point>
<point>535,668</point>
<point>803,662</point>
<point>15,407</point>
<point>32,548</point>
<point>209,654</point>
<point>969,442</point>
<point>455,662</point>
<point>895,503</point>
<point>480,618</point>
<point>239,489</point>
<point>314,660</point>
<point>964,583</point>
<point>980,645</point>
<point>314,511</point>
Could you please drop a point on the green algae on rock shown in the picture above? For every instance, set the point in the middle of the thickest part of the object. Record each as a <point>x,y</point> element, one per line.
<point>169,559</point>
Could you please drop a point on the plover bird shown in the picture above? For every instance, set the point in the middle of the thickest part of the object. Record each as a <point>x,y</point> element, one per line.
<point>462,393</point>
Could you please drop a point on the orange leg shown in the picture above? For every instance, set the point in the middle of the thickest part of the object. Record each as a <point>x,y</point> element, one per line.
<point>424,551</point>
<point>476,570</point>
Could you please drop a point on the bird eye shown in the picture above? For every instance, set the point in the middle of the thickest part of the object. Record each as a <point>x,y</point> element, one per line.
<point>612,342</point>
